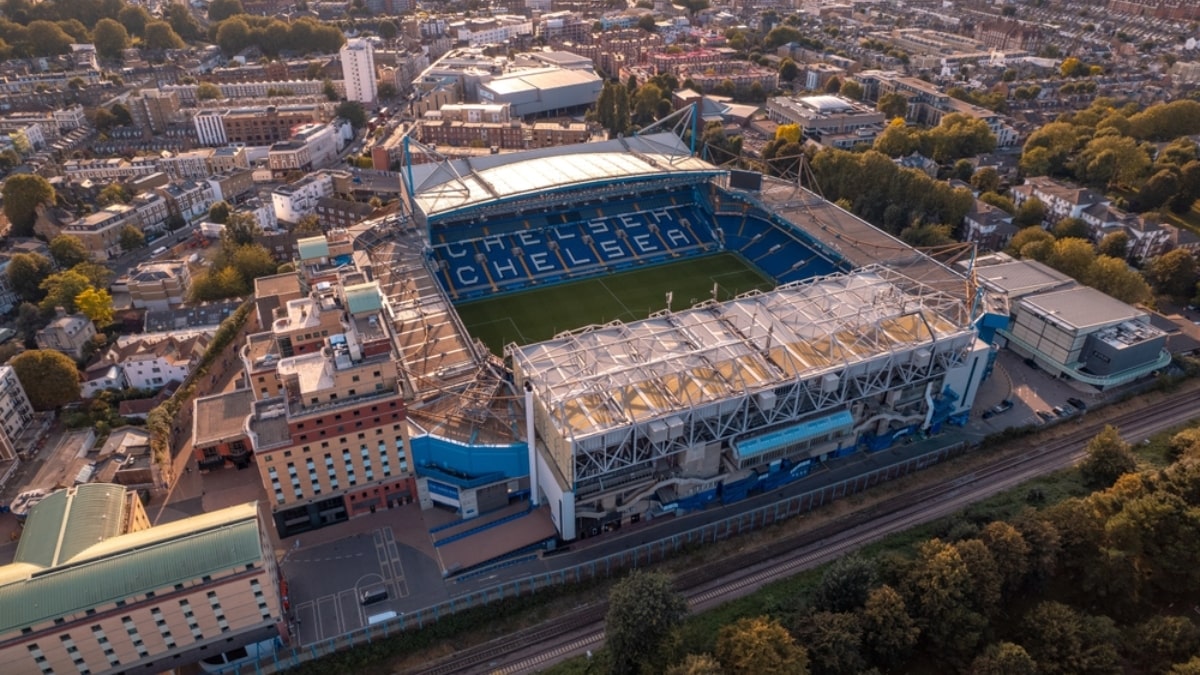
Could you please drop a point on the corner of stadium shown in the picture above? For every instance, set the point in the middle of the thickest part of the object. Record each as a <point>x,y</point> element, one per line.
<point>859,342</point>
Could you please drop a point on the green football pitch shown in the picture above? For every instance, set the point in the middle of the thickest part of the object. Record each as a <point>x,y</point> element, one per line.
<point>538,314</point>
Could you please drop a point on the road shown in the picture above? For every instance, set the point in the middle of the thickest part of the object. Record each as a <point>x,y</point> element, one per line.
<point>582,630</point>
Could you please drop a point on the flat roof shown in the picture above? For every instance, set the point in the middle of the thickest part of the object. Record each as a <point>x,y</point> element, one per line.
<point>1081,307</point>
<point>220,417</point>
<point>538,78</point>
<point>1021,277</point>
<point>444,187</point>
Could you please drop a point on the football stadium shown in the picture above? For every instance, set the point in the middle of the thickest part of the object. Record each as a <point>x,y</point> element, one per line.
<point>622,330</point>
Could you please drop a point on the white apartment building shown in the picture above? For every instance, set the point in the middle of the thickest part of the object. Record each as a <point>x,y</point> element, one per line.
<point>210,127</point>
<point>70,118</point>
<point>358,70</point>
<point>313,146</point>
<point>491,30</point>
<point>15,411</point>
<point>293,202</point>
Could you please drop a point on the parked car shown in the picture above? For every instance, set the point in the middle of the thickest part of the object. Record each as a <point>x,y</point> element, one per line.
<point>1046,415</point>
<point>233,660</point>
<point>1078,403</point>
<point>1001,407</point>
<point>1032,364</point>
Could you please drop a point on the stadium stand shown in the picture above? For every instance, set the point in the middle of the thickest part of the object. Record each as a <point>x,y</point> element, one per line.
<point>571,244</point>
<point>777,251</point>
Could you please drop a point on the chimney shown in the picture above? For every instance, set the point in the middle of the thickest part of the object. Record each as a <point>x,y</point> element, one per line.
<point>60,312</point>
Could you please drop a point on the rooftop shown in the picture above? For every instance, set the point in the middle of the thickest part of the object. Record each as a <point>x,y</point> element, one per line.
<point>1021,277</point>
<point>123,566</point>
<point>441,188</point>
<point>220,417</point>
<point>1081,307</point>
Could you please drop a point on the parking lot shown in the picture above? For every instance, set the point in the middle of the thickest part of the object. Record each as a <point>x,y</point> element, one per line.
<point>326,580</point>
<point>1030,390</point>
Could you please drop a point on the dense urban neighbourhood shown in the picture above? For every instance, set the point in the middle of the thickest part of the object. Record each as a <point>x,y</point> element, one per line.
<point>237,235</point>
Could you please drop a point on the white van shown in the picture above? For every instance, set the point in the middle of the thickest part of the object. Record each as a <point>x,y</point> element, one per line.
<point>158,251</point>
<point>228,662</point>
<point>380,618</point>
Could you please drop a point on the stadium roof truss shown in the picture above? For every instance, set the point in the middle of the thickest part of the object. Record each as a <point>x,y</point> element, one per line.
<point>449,187</point>
<point>842,337</point>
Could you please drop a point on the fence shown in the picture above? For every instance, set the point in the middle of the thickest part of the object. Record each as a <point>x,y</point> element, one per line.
<point>644,554</point>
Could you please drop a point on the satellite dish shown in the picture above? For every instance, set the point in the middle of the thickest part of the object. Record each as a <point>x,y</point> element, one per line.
<point>1190,44</point>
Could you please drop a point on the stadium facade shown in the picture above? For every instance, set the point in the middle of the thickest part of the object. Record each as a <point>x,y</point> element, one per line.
<point>849,353</point>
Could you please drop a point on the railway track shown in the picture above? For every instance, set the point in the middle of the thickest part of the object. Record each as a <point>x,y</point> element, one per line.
<point>583,629</point>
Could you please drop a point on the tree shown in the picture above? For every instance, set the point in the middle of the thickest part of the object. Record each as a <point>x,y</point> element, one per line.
<point>1108,458</point>
<point>1065,642</point>
<point>219,212</point>
<point>103,120</point>
<point>1158,189</point>
<point>251,262</point>
<point>1027,236</point>
<point>1112,159</point>
<point>693,6</point>
<point>219,10</point>
<point>1073,67</point>
<point>308,225</point>
<point>788,70</point>
<point>113,193</point>
<point>240,230</point>
<point>330,91</point>
<point>1071,228</point>
<point>110,38</point>
<point>134,18</point>
<point>1072,257</point>
<point>1031,212</point>
<point>207,91</point>
<point>833,85</point>
<point>1191,667</point>
<point>643,611</point>
<point>61,290</point>
<point>889,633</point>
<point>986,179</point>
<point>938,588</point>
<point>845,585</point>
<point>1114,277</point>
<point>68,251</point>
<point>352,111</point>
<point>999,201</point>
<point>181,21</point>
<point>1004,658</point>
<point>233,35</point>
<point>160,36</point>
<point>385,89</point>
<point>696,664</point>
<point>893,105</point>
<point>387,30</point>
<point>47,38</point>
<point>1115,244</point>
<point>50,378</point>
<point>1011,553</point>
<point>985,575</point>
<point>218,285</point>
<point>759,646</point>
<point>851,90</point>
<point>1159,641</point>
<point>897,140</point>
<point>23,193</point>
<point>26,272</point>
<point>647,23</point>
<point>96,305</point>
<point>131,237</point>
<point>833,641</point>
<point>1173,273</point>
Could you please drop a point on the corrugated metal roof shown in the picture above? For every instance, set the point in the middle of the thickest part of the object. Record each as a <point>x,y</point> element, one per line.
<point>130,565</point>
<point>69,521</point>
<point>312,248</point>
<point>362,298</point>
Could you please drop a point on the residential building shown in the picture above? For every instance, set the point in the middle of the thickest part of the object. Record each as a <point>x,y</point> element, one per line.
<point>496,29</point>
<point>313,146</point>
<point>228,158</point>
<point>100,232</point>
<point>189,200</point>
<point>255,125</point>
<point>150,361</point>
<point>93,588</point>
<point>108,170</point>
<point>928,104</point>
<point>159,284</point>
<point>989,227</point>
<point>1061,200</point>
<point>67,334</point>
<point>161,106</point>
<point>358,70</point>
<point>335,213</point>
<point>232,185</point>
<point>547,134</point>
<point>15,411</point>
<point>296,200</point>
<point>8,295</point>
<point>189,165</point>
<point>102,376</point>
<point>334,445</point>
